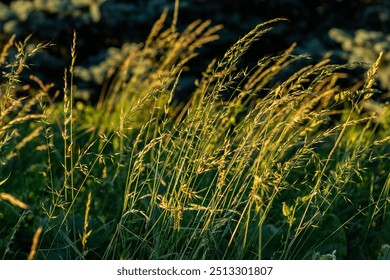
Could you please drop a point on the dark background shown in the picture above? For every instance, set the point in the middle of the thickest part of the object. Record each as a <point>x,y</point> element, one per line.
<point>352,30</point>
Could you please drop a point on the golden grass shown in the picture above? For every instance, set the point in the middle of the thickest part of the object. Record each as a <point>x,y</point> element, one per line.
<point>86,232</point>
<point>208,178</point>
<point>13,200</point>
<point>35,243</point>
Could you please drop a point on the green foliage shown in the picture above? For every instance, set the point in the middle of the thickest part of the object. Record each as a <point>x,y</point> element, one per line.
<point>251,167</point>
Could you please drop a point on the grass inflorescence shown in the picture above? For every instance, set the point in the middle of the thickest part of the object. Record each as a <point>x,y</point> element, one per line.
<point>253,166</point>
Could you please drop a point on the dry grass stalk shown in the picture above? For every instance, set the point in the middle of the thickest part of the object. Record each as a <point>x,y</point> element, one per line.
<point>13,200</point>
<point>86,232</point>
<point>34,246</point>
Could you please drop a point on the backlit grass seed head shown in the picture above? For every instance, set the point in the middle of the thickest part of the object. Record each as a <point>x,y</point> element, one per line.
<point>188,192</point>
<point>86,233</point>
<point>13,200</point>
<point>177,215</point>
<point>34,246</point>
<point>256,194</point>
<point>372,72</point>
<point>5,50</point>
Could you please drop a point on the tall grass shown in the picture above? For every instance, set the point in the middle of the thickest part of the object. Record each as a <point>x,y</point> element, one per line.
<point>253,166</point>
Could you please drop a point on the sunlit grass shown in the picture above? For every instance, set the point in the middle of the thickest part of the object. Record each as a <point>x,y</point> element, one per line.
<point>252,167</point>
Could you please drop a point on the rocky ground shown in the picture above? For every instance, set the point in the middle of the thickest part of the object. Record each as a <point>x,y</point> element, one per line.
<point>353,30</point>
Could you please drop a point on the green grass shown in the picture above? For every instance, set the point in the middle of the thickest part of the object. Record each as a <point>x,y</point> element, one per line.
<point>254,166</point>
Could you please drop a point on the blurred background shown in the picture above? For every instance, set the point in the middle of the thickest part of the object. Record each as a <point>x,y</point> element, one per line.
<point>345,30</point>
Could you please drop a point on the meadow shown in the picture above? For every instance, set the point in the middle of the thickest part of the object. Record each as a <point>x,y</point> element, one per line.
<point>260,162</point>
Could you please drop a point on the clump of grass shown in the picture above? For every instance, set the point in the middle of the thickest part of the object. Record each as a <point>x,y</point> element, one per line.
<point>17,132</point>
<point>147,78</point>
<point>251,167</point>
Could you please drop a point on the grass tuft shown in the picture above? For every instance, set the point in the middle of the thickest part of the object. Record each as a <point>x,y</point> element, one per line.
<point>257,164</point>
